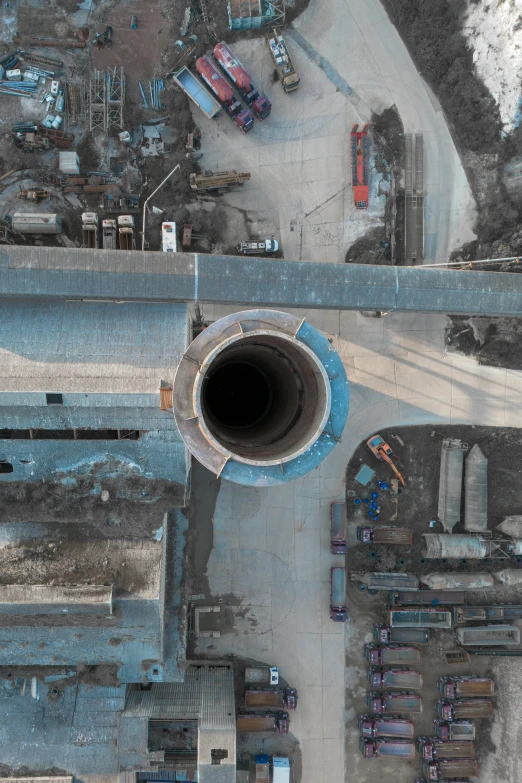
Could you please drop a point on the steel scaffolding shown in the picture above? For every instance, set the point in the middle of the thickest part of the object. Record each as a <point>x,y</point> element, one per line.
<point>115,97</point>
<point>106,99</point>
<point>97,102</point>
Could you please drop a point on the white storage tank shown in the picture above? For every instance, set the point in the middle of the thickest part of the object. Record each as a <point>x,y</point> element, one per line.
<point>69,163</point>
<point>168,238</point>
<point>36,223</point>
<point>281,769</point>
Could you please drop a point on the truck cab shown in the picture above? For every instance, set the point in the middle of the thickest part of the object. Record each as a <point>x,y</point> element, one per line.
<point>244,120</point>
<point>381,633</point>
<point>364,534</point>
<point>290,696</point>
<point>261,107</point>
<point>282,722</point>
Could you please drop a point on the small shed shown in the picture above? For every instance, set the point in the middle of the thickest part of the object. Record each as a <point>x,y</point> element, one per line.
<point>68,162</point>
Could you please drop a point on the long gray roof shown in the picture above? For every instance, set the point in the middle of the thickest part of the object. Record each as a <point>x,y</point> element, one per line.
<point>185,277</point>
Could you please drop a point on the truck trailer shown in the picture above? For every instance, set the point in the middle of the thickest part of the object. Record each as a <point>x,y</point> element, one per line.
<point>271,699</point>
<point>252,723</point>
<point>465,687</point>
<point>458,730</point>
<point>360,156</point>
<point>282,60</point>
<point>267,675</point>
<point>420,617</point>
<point>126,232</point>
<point>473,614</point>
<point>432,749</point>
<point>428,597</point>
<point>450,769</point>
<point>463,709</point>
<point>372,727</point>
<point>238,74</point>
<point>393,703</point>
<point>109,234</point>
<point>393,748</point>
<point>382,580</point>
<point>338,610</point>
<point>197,92</point>
<point>394,678</point>
<point>488,635</point>
<point>338,528</point>
<point>384,634</point>
<point>90,230</point>
<point>391,655</point>
<point>224,93</point>
<point>384,535</point>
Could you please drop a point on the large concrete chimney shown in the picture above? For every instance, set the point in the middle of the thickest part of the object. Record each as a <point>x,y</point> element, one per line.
<point>260,397</point>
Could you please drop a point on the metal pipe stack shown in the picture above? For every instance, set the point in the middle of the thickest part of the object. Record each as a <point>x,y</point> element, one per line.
<point>23,89</point>
<point>156,87</point>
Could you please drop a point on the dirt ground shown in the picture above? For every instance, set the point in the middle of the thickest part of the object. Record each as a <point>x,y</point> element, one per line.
<point>493,341</point>
<point>419,460</point>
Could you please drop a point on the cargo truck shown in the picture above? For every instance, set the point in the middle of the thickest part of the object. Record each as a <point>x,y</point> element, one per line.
<point>394,678</point>
<point>251,722</point>
<point>90,230</point>
<point>393,748</point>
<point>463,687</point>
<point>338,528</point>
<point>393,703</point>
<point>372,727</point>
<point>238,74</point>
<point>390,655</point>
<point>259,247</point>
<point>109,234</point>
<point>383,634</point>
<point>431,749</point>
<point>197,92</point>
<point>463,709</point>
<point>488,635</point>
<point>126,232</point>
<point>458,730</point>
<point>224,93</point>
<point>338,610</point>
<point>268,675</point>
<point>473,614</point>
<point>282,60</point>
<point>450,769</point>
<point>271,699</point>
<point>380,580</point>
<point>433,597</point>
<point>420,617</point>
<point>384,535</point>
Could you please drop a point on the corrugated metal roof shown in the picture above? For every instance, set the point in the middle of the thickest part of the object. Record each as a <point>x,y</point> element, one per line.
<point>450,483</point>
<point>185,277</point>
<point>476,486</point>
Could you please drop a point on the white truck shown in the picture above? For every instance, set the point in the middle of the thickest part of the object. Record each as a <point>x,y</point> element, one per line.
<point>259,248</point>
<point>109,234</point>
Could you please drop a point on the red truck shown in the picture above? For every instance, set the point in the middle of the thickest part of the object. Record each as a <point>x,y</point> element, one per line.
<point>391,655</point>
<point>463,687</point>
<point>393,703</point>
<point>450,769</point>
<point>252,722</point>
<point>384,634</point>
<point>375,728</point>
<point>234,69</point>
<point>394,678</point>
<point>338,528</point>
<point>464,708</point>
<point>384,535</point>
<point>224,93</point>
<point>432,749</point>
<point>459,730</point>
<point>360,156</point>
<point>271,699</point>
<point>338,610</point>
<point>394,748</point>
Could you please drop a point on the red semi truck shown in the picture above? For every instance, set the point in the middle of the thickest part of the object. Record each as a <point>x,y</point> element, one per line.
<point>464,687</point>
<point>224,93</point>
<point>391,655</point>
<point>394,678</point>
<point>234,69</point>
<point>375,728</point>
<point>432,749</point>
<point>393,748</point>
<point>393,703</point>
<point>463,709</point>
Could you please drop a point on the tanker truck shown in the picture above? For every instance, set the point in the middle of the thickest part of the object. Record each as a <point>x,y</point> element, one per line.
<point>238,74</point>
<point>224,93</point>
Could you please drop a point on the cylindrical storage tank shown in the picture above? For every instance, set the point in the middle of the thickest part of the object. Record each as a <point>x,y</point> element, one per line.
<point>457,581</point>
<point>509,576</point>
<point>438,545</point>
<point>36,223</point>
<point>260,397</point>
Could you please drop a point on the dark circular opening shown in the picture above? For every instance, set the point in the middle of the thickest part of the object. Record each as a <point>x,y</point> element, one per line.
<point>238,395</point>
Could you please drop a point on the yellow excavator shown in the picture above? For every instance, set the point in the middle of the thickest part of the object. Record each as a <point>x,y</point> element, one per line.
<point>383,452</point>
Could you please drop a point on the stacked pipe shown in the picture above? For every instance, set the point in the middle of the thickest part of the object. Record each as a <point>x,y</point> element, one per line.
<point>22,89</point>
<point>156,86</point>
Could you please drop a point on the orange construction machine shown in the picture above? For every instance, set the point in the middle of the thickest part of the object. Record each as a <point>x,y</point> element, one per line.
<point>360,166</point>
<point>382,451</point>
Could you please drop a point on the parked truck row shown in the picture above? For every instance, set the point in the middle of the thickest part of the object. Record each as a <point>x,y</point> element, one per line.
<point>123,228</point>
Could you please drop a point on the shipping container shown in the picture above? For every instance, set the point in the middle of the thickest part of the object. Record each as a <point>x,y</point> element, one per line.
<point>488,635</point>
<point>280,769</point>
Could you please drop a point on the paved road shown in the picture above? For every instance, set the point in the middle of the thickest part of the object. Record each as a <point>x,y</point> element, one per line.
<point>271,546</point>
